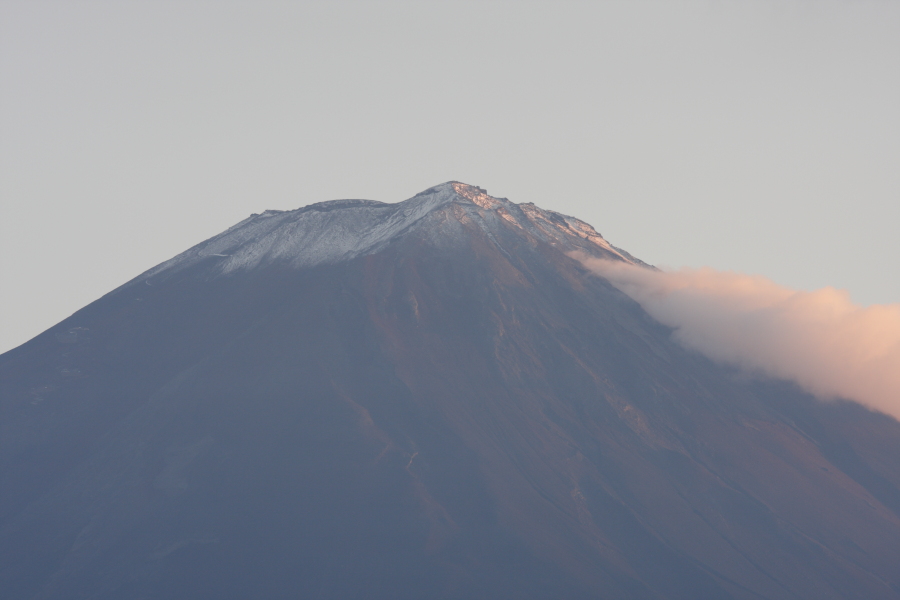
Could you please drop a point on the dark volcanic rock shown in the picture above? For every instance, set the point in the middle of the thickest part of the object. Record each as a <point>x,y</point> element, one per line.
<point>421,400</point>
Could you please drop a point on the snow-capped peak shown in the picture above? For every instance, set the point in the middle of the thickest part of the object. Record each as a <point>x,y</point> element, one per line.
<point>338,230</point>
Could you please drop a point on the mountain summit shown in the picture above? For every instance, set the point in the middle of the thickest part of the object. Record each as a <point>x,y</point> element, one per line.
<point>340,230</point>
<point>428,399</point>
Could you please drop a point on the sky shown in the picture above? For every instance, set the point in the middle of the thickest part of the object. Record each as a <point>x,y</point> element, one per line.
<point>756,137</point>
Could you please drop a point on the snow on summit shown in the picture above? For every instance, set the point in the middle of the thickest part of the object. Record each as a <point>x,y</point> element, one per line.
<point>339,230</point>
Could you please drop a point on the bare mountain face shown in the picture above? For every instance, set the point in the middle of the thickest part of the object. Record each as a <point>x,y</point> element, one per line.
<point>428,399</point>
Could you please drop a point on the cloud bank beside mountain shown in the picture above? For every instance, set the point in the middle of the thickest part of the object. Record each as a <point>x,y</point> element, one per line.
<point>820,339</point>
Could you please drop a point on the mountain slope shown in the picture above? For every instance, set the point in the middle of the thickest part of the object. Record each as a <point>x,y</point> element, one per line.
<point>427,399</point>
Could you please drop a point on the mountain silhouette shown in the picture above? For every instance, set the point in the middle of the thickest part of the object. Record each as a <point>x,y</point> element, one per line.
<point>428,399</point>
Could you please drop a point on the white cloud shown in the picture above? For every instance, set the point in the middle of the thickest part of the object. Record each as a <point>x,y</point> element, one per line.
<point>820,339</point>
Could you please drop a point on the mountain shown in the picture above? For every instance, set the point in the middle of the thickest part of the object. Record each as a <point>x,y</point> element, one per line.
<point>429,399</point>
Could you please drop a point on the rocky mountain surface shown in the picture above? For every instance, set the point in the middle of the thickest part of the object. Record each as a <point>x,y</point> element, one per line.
<point>429,399</point>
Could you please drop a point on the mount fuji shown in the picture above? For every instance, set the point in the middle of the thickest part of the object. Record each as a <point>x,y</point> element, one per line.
<point>427,399</point>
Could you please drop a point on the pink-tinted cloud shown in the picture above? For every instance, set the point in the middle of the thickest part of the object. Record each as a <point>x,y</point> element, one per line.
<point>820,339</point>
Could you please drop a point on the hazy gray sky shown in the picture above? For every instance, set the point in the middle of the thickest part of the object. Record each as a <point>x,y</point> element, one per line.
<point>760,137</point>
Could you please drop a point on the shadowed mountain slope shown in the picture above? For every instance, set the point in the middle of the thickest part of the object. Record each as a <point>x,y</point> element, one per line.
<point>427,399</point>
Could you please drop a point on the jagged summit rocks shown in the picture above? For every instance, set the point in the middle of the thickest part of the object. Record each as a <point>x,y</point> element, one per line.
<point>428,399</point>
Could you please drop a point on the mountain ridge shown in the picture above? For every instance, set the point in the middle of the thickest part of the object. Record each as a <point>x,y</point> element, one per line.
<point>328,232</point>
